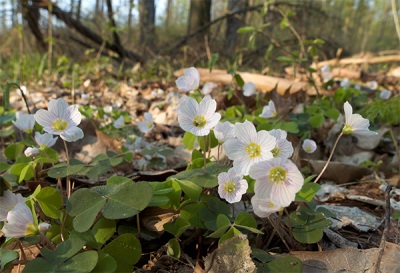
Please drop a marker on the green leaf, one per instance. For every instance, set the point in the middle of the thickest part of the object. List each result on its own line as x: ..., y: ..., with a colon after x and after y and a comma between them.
x: 179, y: 226
x: 191, y: 213
x: 213, y: 61
x: 261, y: 255
x: 4, y: 167
x: 14, y: 150
x: 291, y: 127
x: 47, y: 155
x: 188, y: 140
x: 63, y: 170
x: 230, y: 234
x: 332, y: 113
x: 27, y: 173
x: 82, y: 262
x: 84, y: 204
x: 248, y: 29
x: 223, y: 221
x: 105, y: 264
x: 7, y: 256
x: 239, y: 80
x: 284, y: 59
x: 127, y: 199
x: 174, y: 249
x: 245, y: 219
x: 50, y: 201
x: 115, y: 180
x: 307, y: 192
x: 103, y: 230
x: 308, y: 228
x: 126, y: 250
x: 317, y: 120
x: 190, y: 188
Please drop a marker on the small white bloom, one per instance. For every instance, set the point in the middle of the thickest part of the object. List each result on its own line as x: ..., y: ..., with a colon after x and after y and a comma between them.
x: 325, y: 68
x: 61, y: 119
x: 326, y: 76
x: 357, y: 87
x: 119, y: 122
x: 264, y: 207
x: 24, y: 122
x: 8, y: 202
x: 223, y: 131
x: 231, y: 186
x: 107, y: 109
x: 87, y: 83
x: 277, y: 180
x: 190, y: 81
x: 373, y: 85
x: 157, y: 93
x: 32, y: 152
x: 198, y: 118
x: 248, y: 146
x: 146, y: 125
x: 19, y: 222
x: 269, y: 111
x: 249, y: 89
x: 85, y: 98
x: 309, y: 146
x: 283, y: 147
x: 385, y: 94
x: 45, y: 140
x: 345, y: 83
x: 355, y: 123
x: 208, y: 88
x: 44, y: 227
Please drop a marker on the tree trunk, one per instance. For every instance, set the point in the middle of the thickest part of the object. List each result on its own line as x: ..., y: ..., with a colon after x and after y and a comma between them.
x: 131, y: 4
x: 233, y: 24
x: 168, y: 13
x: 78, y: 10
x: 115, y: 35
x: 31, y: 14
x: 147, y: 17
x: 199, y: 16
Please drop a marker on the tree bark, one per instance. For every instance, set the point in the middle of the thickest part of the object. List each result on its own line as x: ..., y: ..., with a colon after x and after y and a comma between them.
x: 168, y: 13
x: 31, y: 14
x: 147, y: 19
x: 199, y: 16
x: 117, y: 40
x: 233, y: 23
x: 78, y: 10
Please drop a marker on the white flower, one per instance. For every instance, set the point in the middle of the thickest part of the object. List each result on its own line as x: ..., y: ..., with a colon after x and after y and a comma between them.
x: 157, y: 93
x: 32, y: 152
x: 248, y: 146
x: 8, y: 202
x: 283, y: 147
x: 223, y: 131
x: 277, y: 180
x: 325, y: 68
x: 269, y: 110
x: 19, y: 222
x: 355, y: 123
x: 309, y: 146
x: 373, y: 85
x: 119, y: 122
x: 345, y: 83
x: 357, y: 87
x: 208, y: 87
x: 45, y: 140
x: 146, y: 125
x: 61, y: 119
x: 44, y: 227
x: 85, y: 98
x: 249, y: 89
x: 24, y: 122
x: 197, y: 118
x: 264, y: 207
x: 107, y: 109
x: 326, y: 73
x: 385, y: 94
x: 231, y: 186
x: 190, y: 81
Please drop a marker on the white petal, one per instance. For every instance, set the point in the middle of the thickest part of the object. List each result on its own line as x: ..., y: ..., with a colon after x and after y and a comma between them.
x: 72, y: 134
x: 348, y: 111
x: 245, y: 132
x: 44, y: 118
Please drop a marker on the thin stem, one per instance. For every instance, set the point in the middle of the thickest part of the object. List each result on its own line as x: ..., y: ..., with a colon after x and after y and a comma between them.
x: 329, y: 159
x: 205, y: 154
x: 138, y: 224
x: 68, y: 178
x: 396, y: 146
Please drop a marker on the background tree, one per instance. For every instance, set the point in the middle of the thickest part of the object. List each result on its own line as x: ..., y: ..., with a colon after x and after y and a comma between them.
x: 147, y: 19
x: 199, y: 16
x: 233, y: 23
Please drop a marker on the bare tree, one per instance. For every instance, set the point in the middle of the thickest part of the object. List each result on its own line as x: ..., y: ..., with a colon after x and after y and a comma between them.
x: 199, y: 15
x: 168, y: 13
x: 147, y: 17
x: 233, y: 23
x: 78, y: 10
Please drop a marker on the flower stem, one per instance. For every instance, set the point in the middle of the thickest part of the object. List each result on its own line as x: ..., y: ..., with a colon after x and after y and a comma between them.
x: 205, y: 154
x: 68, y: 178
x: 329, y: 159
x: 396, y: 146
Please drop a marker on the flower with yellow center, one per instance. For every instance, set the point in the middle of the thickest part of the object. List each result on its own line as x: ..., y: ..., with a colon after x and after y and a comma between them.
x: 283, y: 148
x: 146, y: 125
x: 8, y: 202
x: 277, y: 180
x: 223, y: 131
x: 231, y: 186
x: 355, y: 123
x: 61, y: 119
x: 248, y: 146
x: 24, y: 122
x: 198, y: 118
x: 264, y: 207
x: 45, y: 140
x: 189, y: 81
x: 309, y: 146
x: 19, y: 222
x: 269, y: 111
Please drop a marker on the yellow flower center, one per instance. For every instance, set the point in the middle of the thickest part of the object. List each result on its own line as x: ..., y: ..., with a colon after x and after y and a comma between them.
x: 149, y: 125
x: 347, y: 129
x: 253, y: 150
x: 274, y: 114
x: 31, y: 230
x: 230, y: 187
x: 275, y: 151
x: 60, y: 124
x: 271, y: 205
x: 277, y: 175
x: 308, y: 149
x: 199, y: 121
